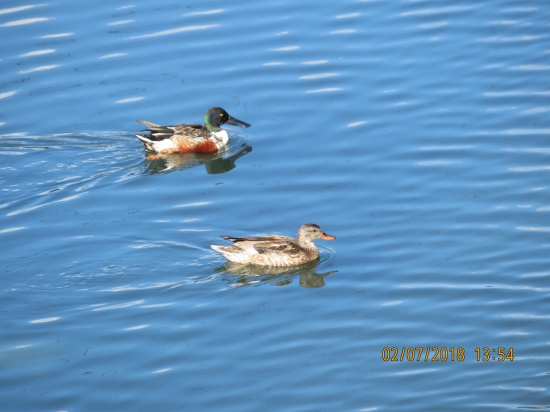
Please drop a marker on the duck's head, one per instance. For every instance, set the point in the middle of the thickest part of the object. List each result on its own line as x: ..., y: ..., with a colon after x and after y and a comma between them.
x: 310, y: 231
x: 216, y: 116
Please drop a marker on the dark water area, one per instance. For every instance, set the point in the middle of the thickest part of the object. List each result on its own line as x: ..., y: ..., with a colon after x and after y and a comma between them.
x: 416, y: 132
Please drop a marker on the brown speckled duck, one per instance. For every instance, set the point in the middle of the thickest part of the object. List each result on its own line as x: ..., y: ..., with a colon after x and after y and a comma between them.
x: 275, y: 250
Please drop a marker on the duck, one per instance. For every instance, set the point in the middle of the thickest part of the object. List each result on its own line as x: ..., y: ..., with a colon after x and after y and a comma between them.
x: 275, y: 250
x: 190, y: 138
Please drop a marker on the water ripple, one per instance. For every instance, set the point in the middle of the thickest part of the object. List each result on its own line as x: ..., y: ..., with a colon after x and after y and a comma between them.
x: 173, y: 31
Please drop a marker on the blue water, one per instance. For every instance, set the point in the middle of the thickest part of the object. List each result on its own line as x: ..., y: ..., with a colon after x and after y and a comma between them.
x: 416, y: 132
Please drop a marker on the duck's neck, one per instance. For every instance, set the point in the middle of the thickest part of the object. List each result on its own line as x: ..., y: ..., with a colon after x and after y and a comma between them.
x: 308, y: 247
x: 209, y: 126
x: 306, y: 243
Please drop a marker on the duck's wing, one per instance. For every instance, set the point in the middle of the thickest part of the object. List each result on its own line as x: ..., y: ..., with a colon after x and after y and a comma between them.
x: 158, y: 132
x: 275, y: 245
x: 190, y: 130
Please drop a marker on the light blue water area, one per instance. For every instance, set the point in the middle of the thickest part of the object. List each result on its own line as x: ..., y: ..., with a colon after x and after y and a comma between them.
x: 416, y: 132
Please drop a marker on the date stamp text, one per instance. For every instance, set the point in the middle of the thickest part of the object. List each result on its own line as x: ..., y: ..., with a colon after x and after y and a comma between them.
x: 444, y: 354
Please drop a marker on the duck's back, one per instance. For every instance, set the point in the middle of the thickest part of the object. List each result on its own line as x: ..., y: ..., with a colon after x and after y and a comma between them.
x: 158, y: 132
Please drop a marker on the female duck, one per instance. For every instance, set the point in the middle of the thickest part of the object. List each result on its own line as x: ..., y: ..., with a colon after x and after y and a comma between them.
x: 275, y: 250
x: 190, y: 138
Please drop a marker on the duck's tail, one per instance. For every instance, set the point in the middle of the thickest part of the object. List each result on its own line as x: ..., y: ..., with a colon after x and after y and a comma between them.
x: 146, y: 139
x: 218, y: 248
x: 148, y: 124
x: 149, y: 144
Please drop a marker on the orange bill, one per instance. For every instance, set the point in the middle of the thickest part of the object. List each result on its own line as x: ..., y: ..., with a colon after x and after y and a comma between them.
x: 327, y: 237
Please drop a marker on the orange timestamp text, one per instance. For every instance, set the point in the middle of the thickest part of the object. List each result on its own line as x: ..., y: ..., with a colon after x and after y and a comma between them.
x: 444, y: 354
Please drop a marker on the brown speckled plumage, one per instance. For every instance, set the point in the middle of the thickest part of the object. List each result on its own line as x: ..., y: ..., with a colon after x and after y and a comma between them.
x: 275, y: 250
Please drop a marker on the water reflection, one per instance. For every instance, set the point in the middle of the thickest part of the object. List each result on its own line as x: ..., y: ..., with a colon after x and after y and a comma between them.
x: 8, y: 94
x: 173, y: 31
x: 20, y: 8
x: 202, y: 13
x: 25, y: 21
x: 286, y: 48
x: 215, y: 163
x: 343, y: 31
x: 328, y: 89
x: 53, y: 36
x: 359, y: 123
x: 316, y: 62
x: 110, y: 56
x: 318, y: 76
x: 347, y: 16
x: 119, y: 22
x: 439, y: 10
x: 37, y: 53
x: 38, y: 69
x: 251, y: 274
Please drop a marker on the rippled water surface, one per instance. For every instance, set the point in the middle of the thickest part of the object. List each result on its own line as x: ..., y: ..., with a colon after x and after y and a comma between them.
x: 416, y: 132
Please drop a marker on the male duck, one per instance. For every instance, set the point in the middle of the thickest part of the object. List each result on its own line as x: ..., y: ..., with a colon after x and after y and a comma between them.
x: 275, y: 250
x: 190, y: 138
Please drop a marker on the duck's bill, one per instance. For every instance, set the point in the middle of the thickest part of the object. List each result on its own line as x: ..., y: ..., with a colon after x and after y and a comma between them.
x: 237, y: 122
x: 327, y: 237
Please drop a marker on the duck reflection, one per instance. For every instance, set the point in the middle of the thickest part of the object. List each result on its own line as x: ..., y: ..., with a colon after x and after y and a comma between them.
x: 278, y: 276
x: 215, y: 163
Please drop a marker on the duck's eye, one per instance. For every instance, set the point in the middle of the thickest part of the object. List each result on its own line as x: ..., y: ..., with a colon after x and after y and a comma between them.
x: 221, y: 114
